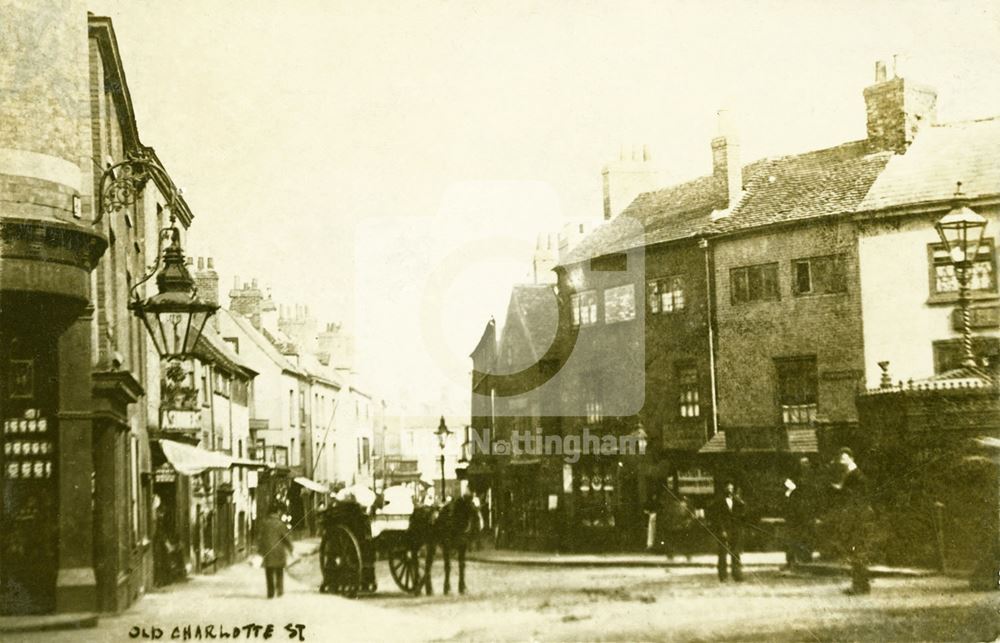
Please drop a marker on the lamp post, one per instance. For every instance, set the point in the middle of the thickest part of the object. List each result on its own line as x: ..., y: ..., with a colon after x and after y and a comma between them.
x: 175, y: 317
x: 961, y: 232
x: 442, y: 434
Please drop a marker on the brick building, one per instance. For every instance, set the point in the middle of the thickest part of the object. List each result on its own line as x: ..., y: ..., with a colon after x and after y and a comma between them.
x: 764, y: 293
x: 79, y: 380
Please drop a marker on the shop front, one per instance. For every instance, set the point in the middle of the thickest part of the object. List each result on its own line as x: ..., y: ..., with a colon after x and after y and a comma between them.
x: 46, y: 409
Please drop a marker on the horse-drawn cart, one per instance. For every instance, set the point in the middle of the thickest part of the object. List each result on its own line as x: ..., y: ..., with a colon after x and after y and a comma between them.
x: 352, y: 541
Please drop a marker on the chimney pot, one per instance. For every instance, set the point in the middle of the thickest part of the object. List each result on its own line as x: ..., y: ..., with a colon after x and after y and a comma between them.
x: 209, y: 263
x: 880, y: 71
x: 201, y: 263
x: 253, y: 282
x: 645, y: 153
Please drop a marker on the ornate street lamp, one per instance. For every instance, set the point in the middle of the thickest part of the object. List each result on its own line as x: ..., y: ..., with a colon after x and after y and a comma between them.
x: 961, y: 232
x: 442, y: 434
x: 175, y: 316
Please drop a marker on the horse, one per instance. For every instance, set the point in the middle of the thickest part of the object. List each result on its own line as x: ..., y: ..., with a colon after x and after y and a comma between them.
x: 453, y: 526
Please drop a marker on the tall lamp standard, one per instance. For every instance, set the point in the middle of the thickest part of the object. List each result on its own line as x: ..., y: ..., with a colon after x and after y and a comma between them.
x: 442, y: 434
x: 961, y: 232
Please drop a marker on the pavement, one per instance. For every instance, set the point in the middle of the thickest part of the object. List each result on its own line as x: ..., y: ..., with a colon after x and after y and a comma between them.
x: 751, y: 559
x: 234, y: 599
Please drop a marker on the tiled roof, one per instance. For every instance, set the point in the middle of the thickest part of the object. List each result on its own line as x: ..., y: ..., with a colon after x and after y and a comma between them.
x: 533, y: 308
x: 804, y: 186
x: 776, y: 190
x: 664, y: 215
x: 938, y: 157
x: 316, y: 369
x: 262, y: 342
x: 212, y: 347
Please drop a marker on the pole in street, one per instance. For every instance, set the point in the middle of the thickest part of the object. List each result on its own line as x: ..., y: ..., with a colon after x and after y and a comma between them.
x: 442, y: 434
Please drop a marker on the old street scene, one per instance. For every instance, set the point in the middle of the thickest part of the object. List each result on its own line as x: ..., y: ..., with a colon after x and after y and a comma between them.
x: 349, y: 321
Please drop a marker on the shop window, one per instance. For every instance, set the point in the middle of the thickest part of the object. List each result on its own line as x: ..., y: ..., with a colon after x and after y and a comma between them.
x: 754, y: 283
x: 592, y: 402
x: 583, y: 306
x: 688, y: 403
x: 982, y: 276
x: 798, y: 389
x: 949, y: 353
x: 666, y: 295
x: 596, y: 486
x: 619, y: 304
x: 819, y: 275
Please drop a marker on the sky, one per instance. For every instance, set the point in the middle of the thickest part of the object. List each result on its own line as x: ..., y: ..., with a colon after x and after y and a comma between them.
x: 389, y: 164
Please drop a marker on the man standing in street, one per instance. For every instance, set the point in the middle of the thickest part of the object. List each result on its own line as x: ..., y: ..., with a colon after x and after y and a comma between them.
x: 799, y: 518
x: 727, y: 515
x: 274, y: 545
x: 858, y: 520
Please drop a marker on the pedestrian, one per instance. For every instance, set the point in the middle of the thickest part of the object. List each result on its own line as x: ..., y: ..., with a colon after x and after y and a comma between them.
x: 799, y: 518
x: 727, y: 516
x: 651, y: 517
x: 857, y: 519
x: 274, y: 544
x: 678, y: 519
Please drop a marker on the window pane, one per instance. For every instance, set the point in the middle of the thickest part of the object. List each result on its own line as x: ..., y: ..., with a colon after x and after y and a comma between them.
x: 678, y: 293
x: 803, y: 277
x: 944, y: 279
x: 769, y: 275
x: 981, y: 276
x: 755, y: 283
x: 738, y: 283
x: 654, y: 296
x: 619, y: 303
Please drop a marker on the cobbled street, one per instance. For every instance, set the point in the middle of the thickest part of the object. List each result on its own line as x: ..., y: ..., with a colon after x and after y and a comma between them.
x: 507, y: 602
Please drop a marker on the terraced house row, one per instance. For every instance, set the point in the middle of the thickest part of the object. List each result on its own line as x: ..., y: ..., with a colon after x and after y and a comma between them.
x: 732, y: 321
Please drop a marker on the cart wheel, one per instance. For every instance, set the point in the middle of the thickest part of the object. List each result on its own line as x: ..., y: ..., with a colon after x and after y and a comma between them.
x: 406, y: 564
x: 340, y: 560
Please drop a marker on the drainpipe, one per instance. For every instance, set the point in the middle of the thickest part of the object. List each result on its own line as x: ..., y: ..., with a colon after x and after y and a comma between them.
x: 703, y: 244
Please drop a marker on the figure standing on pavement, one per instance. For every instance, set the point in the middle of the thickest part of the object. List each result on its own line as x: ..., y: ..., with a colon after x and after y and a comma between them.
x: 799, y: 515
x: 678, y: 520
x: 651, y: 518
x: 857, y: 521
x: 727, y: 517
x: 274, y: 544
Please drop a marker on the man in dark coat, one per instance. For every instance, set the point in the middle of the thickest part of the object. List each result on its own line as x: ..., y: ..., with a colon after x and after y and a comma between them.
x: 727, y: 515
x: 799, y: 515
x: 274, y: 544
x: 858, y: 520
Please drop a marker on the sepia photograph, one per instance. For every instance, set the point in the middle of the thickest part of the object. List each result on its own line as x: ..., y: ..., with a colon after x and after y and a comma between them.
x: 539, y: 320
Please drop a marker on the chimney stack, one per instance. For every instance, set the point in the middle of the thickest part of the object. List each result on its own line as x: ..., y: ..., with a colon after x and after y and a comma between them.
x: 726, y: 166
x: 246, y: 300
x: 897, y: 108
x: 628, y: 177
x: 207, y: 281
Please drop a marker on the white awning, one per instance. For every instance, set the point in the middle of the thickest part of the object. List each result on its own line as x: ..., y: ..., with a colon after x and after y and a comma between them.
x: 312, y: 485
x: 191, y: 460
